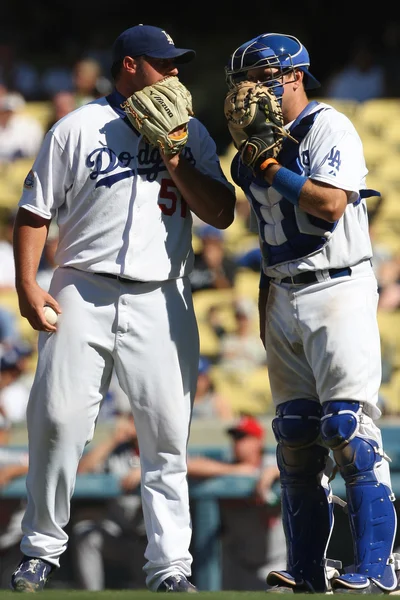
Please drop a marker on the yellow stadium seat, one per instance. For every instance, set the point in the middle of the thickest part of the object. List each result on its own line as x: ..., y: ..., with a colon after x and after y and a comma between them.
x: 246, y: 284
x: 209, y: 341
x: 41, y: 111
x: 378, y: 113
x: 8, y: 195
x: 347, y: 107
x: 375, y: 153
x: 17, y: 172
x: 203, y: 300
x: 392, y: 135
x: 12, y: 176
x: 250, y: 394
x: 388, y: 170
x: 391, y: 393
x: 389, y: 327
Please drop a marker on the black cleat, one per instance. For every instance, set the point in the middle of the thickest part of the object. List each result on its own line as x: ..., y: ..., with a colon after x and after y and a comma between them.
x: 31, y: 575
x: 176, y: 583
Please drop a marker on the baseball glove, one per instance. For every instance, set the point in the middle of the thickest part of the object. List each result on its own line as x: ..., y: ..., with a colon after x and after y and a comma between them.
x: 255, y: 122
x: 160, y: 113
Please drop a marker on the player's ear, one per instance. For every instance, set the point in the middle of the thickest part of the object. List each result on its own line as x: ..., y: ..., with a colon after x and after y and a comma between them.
x: 129, y: 64
x: 299, y: 78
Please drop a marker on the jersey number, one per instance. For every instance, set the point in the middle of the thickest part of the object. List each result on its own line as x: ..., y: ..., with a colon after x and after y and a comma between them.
x: 169, y: 197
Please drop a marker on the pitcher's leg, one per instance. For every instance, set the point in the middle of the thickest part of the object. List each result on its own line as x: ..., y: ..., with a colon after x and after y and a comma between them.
x: 157, y: 366
x: 72, y: 376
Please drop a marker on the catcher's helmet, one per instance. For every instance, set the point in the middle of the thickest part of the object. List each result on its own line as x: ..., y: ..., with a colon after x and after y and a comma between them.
x: 275, y: 50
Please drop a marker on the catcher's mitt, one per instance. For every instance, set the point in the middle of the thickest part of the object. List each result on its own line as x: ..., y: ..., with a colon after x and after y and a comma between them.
x: 160, y: 112
x: 255, y: 122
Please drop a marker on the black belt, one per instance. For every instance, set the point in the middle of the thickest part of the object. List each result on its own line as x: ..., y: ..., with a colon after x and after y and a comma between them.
x: 311, y: 276
x: 119, y: 278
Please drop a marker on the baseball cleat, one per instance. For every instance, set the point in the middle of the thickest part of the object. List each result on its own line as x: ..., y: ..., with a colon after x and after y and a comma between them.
x: 354, y: 583
x: 282, y: 582
x: 31, y: 575
x: 176, y: 583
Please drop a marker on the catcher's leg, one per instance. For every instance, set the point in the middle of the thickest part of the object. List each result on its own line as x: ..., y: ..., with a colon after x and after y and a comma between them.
x: 307, y: 508
x: 357, y: 448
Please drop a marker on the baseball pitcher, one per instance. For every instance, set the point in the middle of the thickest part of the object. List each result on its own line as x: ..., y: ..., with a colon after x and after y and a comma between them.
x: 122, y: 176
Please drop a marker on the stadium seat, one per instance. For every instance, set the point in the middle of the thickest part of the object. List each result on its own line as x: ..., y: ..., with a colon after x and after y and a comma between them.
x: 247, y: 284
x: 250, y: 394
x: 209, y: 341
x: 378, y: 113
x: 347, y: 107
x: 203, y: 300
x: 390, y: 393
x: 392, y: 135
x: 8, y: 195
x: 375, y: 153
x: 41, y: 111
x: 17, y: 172
x: 388, y: 170
x: 12, y: 176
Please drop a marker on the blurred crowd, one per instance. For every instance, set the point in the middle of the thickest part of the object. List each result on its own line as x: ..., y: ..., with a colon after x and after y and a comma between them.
x: 233, y: 388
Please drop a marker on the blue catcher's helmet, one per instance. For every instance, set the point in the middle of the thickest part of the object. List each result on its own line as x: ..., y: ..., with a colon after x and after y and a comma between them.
x: 276, y: 50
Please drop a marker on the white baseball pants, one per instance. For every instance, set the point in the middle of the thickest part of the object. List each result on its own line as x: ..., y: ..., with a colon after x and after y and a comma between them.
x: 148, y: 331
x: 323, y: 340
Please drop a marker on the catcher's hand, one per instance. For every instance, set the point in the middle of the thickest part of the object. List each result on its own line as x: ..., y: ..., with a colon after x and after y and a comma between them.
x: 160, y: 112
x: 255, y: 122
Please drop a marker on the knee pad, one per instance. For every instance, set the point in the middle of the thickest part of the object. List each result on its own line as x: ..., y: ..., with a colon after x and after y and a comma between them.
x: 359, y: 455
x: 297, y: 430
x: 307, y: 509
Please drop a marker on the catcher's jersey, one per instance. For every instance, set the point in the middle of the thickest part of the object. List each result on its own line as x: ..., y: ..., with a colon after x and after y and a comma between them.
x: 116, y: 206
x: 330, y: 151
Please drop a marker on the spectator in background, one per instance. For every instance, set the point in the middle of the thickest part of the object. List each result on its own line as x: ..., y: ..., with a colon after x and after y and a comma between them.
x: 111, y: 536
x: 389, y: 58
x: 362, y: 78
x: 13, y: 464
x: 14, y: 388
x: 89, y: 82
x: 62, y: 103
x: 242, y: 350
x: 252, y: 534
x: 8, y: 329
x: 251, y: 259
x: 20, y: 135
x: 389, y: 280
x: 7, y: 268
x: 57, y: 74
x: 214, y: 268
x: 208, y: 403
x: 215, y: 321
x: 17, y: 71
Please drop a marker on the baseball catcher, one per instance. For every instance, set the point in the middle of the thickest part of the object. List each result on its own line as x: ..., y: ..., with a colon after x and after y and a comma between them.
x: 160, y: 113
x: 255, y: 123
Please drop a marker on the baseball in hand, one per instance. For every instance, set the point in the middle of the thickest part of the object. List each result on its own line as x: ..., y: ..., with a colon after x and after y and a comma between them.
x: 50, y: 314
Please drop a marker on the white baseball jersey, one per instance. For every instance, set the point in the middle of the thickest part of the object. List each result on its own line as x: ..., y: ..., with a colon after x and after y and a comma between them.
x: 98, y: 180
x: 119, y: 212
x: 330, y: 151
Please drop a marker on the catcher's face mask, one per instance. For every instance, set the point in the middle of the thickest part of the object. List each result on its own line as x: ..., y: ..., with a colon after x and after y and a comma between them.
x: 283, y: 53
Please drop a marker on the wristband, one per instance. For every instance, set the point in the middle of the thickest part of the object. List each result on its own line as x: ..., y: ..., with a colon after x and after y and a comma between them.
x: 288, y: 184
x: 264, y: 281
x: 267, y: 162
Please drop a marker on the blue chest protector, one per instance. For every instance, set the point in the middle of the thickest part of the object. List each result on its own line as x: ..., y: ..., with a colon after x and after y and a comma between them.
x: 298, y: 244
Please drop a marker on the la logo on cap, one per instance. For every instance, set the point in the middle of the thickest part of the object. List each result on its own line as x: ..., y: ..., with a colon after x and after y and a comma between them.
x: 169, y: 38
